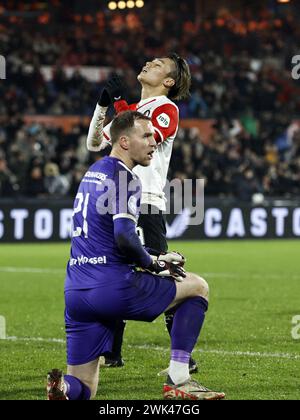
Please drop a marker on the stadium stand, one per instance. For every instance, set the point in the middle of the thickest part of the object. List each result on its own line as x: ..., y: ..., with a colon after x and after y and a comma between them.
x: 241, y: 80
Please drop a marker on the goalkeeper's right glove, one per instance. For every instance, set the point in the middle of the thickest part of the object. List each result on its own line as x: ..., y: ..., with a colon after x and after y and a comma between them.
x: 171, y: 268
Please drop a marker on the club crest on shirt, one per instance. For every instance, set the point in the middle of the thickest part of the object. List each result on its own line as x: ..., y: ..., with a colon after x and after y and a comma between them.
x: 163, y: 120
x: 132, y: 205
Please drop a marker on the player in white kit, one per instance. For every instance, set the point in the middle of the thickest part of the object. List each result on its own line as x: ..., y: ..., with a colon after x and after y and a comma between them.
x: 163, y: 80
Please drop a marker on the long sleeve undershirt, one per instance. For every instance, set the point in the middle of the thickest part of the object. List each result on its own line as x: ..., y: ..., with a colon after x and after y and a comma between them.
x: 129, y: 243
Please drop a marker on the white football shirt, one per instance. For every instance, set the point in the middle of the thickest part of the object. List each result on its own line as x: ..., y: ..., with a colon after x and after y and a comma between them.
x: 164, y: 115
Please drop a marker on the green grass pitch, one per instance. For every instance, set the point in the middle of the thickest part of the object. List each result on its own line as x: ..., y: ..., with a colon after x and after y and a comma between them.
x: 246, y: 348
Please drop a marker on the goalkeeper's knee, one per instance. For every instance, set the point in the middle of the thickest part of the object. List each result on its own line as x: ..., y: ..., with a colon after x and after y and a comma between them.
x: 202, y: 288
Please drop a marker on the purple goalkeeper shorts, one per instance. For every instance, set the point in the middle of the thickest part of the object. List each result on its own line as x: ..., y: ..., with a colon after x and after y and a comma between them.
x: 91, y: 314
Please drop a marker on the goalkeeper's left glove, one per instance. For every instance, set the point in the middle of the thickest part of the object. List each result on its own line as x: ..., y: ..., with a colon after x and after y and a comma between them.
x: 172, y: 257
x: 169, y: 256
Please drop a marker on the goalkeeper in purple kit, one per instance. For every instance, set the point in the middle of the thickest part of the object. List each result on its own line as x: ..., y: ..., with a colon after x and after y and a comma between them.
x: 105, y: 283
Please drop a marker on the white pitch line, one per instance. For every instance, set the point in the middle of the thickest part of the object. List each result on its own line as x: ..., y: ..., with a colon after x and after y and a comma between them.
x: 227, y: 353
x: 31, y: 270
x: 37, y: 339
x: 238, y: 276
x: 166, y: 349
x: 34, y: 270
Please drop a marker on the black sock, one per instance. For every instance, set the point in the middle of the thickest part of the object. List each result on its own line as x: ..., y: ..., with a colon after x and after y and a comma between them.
x: 116, y: 352
x: 169, y: 317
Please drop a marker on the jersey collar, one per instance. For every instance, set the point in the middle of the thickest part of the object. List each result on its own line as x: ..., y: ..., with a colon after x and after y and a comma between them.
x: 154, y: 98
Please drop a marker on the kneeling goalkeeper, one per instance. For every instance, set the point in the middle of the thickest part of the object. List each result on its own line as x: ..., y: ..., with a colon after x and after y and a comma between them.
x: 102, y: 283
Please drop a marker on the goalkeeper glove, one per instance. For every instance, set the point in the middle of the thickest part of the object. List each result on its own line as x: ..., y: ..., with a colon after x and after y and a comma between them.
x: 169, y: 264
x: 172, y: 257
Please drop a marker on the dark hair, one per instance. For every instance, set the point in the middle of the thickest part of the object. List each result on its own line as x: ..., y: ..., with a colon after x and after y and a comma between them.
x: 182, y: 77
x: 123, y: 123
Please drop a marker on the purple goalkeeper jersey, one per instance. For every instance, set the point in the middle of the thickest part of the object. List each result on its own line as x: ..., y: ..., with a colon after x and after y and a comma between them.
x: 108, y: 191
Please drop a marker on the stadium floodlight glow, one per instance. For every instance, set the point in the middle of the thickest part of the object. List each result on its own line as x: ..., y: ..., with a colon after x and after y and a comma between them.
x: 283, y: 1
x: 112, y: 5
x: 121, y: 5
x: 130, y: 4
x: 139, y: 3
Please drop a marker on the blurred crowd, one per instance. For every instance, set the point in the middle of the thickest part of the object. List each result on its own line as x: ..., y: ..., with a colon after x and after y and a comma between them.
x: 241, y: 69
x: 45, y: 162
x: 239, y: 163
x: 236, y: 63
x: 38, y: 161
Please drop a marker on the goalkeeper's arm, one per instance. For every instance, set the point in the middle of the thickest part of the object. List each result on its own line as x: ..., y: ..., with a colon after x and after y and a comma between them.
x: 129, y: 243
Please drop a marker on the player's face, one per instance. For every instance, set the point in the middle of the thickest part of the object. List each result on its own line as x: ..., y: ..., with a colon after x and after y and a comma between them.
x: 155, y: 73
x: 142, y: 144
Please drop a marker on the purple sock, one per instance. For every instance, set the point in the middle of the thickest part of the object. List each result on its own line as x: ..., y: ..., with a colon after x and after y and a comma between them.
x: 180, y: 356
x: 76, y: 390
x: 188, y: 321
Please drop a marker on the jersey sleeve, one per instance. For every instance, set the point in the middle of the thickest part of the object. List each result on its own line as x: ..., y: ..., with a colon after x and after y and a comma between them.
x: 95, y: 138
x: 128, y: 196
x: 165, y: 120
x: 106, y: 133
x: 129, y: 243
x: 125, y: 217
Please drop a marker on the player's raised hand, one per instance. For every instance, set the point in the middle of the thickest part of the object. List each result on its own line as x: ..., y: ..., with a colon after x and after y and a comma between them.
x: 113, y: 91
x: 104, y: 99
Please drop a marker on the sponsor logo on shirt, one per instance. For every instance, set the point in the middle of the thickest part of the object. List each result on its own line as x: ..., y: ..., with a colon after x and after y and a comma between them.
x: 97, y: 175
x: 163, y: 120
x: 82, y: 260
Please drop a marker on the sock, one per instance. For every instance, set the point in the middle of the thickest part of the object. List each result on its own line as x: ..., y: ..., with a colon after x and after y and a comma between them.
x: 187, y: 325
x: 116, y: 352
x: 179, y: 366
x: 75, y: 389
x: 169, y: 318
x: 188, y: 321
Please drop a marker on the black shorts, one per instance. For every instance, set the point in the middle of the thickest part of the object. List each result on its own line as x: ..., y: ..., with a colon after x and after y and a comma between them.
x: 153, y: 228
